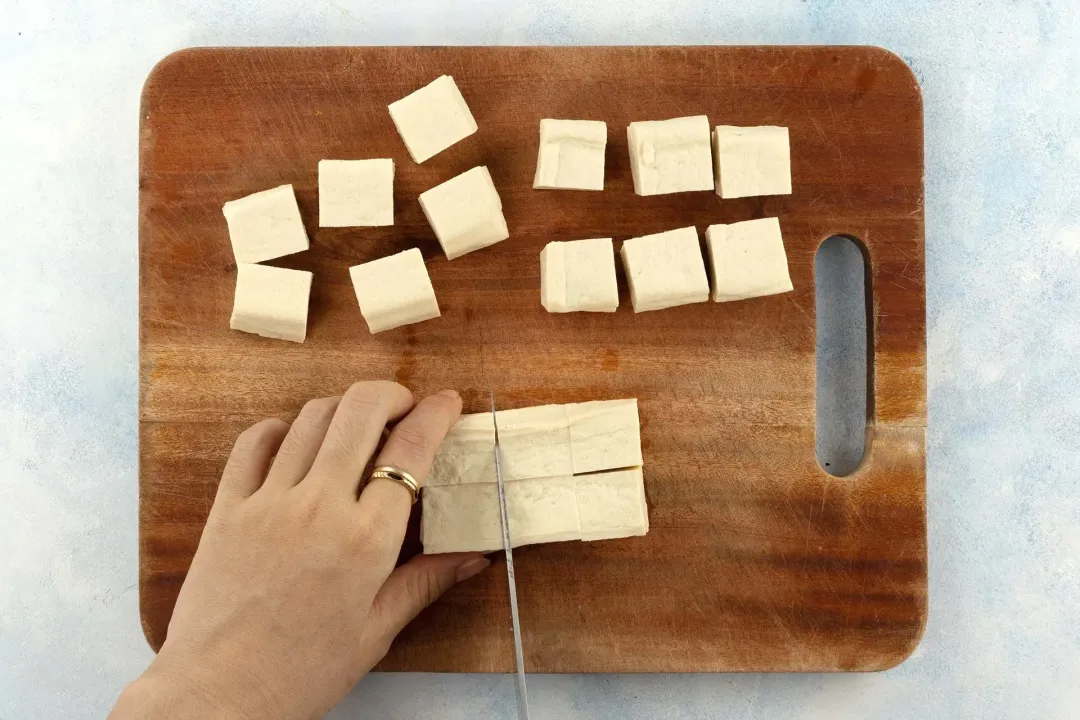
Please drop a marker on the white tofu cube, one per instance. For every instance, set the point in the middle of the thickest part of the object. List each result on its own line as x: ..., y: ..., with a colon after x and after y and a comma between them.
x: 433, y: 118
x: 465, y: 212
x: 571, y: 155
x: 461, y: 518
x: 752, y: 161
x: 356, y: 193
x: 265, y: 225
x: 748, y: 260
x: 394, y: 291
x: 542, y: 510
x: 467, y: 453
x: 579, y: 276
x: 604, y: 435
x: 665, y: 270
x: 612, y: 505
x: 272, y: 302
x: 534, y: 442
x: 670, y: 156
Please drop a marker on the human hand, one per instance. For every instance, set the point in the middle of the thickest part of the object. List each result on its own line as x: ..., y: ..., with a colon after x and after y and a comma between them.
x: 293, y: 595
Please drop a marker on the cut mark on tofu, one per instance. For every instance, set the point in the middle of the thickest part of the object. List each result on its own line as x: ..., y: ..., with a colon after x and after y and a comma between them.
x: 844, y: 335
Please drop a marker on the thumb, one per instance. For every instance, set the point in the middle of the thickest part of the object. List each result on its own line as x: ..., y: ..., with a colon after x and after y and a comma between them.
x: 418, y: 583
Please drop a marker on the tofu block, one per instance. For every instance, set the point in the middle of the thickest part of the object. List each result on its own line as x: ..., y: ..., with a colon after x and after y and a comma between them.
x: 534, y: 442
x: 356, y: 193
x: 465, y: 212
x: 433, y: 118
x: 752, y: 161
x: 579, y: 276
x: 571, y: 155
x: 467, y: 454
x: 265, y: 225
x: 665, y: 270
x: 612, y: 505
x: 461, y: 518
x: 604, y: 435
x: 542, y: 510
x: 394, y: 291
x: 272, y: 302
x: 670, y: 156
x: 748, y: 260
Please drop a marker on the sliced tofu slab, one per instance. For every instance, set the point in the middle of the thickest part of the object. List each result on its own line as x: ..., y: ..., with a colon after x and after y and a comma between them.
x: 433, y: 118
x: 271, y: 301
x: 579, y: 275
x: 465, y: 212
x: 461, y: 518
x: 467, y: 455
x: 748, y: 260
x: 265, y: 225
x: 612, y: 504
x: 604, y: 435
x: 542, y: 510
x: 665, y: 269
x: 670, y: 156
x: 571, y: 155
x: 752, y: 161
x: 356, y: 193
x: 535, y: 442
x: 394, y: 291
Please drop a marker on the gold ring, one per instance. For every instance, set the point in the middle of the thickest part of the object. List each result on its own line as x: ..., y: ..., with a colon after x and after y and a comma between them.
x: 401, y: 477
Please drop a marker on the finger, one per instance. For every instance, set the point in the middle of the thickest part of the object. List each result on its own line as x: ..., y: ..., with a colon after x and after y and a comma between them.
x: 415, y: 585
x: 302, y: 444
x: 250, y: 459
x: 355, y: 431
x: 410, y: 447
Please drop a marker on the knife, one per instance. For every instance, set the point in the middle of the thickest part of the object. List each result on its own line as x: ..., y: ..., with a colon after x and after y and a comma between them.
x: 519, y: 658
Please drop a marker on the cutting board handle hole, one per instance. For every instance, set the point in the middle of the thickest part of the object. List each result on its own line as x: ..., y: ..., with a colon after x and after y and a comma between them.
x: 843, y: 302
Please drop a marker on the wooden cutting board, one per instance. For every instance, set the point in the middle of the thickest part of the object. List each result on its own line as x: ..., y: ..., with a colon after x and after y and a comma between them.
x: 757, y: 559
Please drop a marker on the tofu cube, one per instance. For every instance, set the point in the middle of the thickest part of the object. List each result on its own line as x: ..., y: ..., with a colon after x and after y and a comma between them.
x: 612, y: 505
x: 571, y: 155
x: 272, y: 302
x: 670, y: 156
x: 356, y: 193
x: 604, y: 435
x: 752, y: 161
x: 265, y: 225
x: 465, y: 212
x: 467, y: 453
x: 665, y: 270
x: 461, y: 518
x: 534, y: 442
x: 433, y: 118
x: 579, y: 276
x: 748, y: 260
x: 394, y: 291
x: 542, y: 510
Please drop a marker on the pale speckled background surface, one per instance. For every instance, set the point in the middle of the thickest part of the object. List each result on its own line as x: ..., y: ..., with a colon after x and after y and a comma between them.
x: 1003, y: 272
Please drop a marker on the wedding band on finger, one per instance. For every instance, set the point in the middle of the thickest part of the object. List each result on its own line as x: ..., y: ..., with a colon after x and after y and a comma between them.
x: 401, y: 477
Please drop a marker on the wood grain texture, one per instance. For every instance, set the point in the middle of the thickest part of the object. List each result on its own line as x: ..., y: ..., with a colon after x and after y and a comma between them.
x: 757, y: 559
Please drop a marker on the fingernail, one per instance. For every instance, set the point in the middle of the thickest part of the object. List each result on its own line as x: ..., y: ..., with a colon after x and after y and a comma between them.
x: 452, y: 394
x: 470, y: 568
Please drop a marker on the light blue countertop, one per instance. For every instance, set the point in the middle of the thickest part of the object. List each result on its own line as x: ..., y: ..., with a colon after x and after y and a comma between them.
x: 1003, y: 276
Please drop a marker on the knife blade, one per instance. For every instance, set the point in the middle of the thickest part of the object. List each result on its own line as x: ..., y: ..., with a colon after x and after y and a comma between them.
x: 519, y: 658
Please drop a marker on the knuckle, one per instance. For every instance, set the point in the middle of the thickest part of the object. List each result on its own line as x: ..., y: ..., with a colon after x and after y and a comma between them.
x: 410, y: 441
x: 259, y: 433
x: 441, y: 404
x: 318, y: 410
x: 424, y: 588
